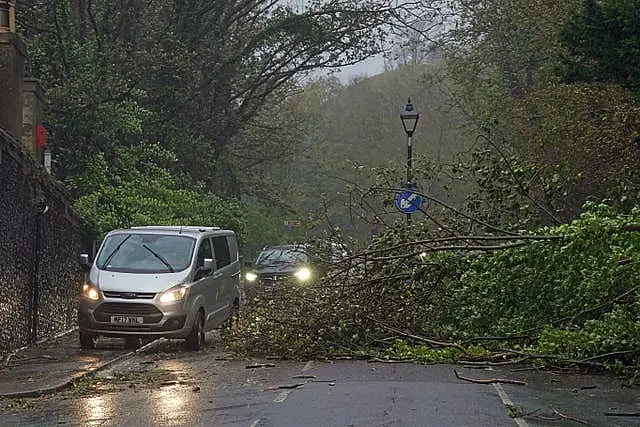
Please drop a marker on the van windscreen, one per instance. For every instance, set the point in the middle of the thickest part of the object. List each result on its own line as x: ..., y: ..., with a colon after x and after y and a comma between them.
x: 282, y: 255
x: 145, y: 253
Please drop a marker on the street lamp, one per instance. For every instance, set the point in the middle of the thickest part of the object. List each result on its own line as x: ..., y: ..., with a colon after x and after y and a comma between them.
x: 409, y: 119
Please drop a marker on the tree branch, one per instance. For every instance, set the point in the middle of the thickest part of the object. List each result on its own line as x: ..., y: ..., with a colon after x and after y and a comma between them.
x: 489, y: 381
x: 419, y: 338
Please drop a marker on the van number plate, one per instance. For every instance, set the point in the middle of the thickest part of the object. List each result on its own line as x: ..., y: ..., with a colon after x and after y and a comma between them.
x: 127, y: 319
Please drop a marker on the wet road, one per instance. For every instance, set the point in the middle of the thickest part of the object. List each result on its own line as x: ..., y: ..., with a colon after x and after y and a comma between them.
x: 167, y: 386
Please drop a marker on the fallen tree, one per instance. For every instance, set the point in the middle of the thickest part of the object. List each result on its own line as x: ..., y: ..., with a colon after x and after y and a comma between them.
x: 563, y: 301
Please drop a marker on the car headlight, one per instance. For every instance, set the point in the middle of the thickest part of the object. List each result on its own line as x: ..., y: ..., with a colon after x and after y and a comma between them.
x: 303, y: 274
x: 89, y: 291
x: 251, y: 277
x: 173, y: 295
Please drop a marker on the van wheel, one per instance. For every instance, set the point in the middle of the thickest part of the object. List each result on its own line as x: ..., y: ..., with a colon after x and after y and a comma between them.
x: 87, y: 341
x: 195, y: 339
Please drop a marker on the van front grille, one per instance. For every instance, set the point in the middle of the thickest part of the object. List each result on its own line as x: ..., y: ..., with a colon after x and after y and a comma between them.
x: 129, y: 295
x: 150, y: 313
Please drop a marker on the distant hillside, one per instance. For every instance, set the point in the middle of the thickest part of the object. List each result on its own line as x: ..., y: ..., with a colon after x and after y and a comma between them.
x: 359, y: 125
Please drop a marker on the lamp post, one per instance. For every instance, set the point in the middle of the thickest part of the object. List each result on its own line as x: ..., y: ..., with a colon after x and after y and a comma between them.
x: 409, y: 119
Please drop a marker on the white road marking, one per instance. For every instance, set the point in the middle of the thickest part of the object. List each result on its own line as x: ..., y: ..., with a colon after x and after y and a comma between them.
x: 255, y: 423
x: 282, y: 396
x: 506, y: 400
x: 285, y: 393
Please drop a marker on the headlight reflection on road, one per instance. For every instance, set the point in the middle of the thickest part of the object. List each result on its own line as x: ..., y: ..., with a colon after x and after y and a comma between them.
x: 173, y: 404
x: 97, y: 410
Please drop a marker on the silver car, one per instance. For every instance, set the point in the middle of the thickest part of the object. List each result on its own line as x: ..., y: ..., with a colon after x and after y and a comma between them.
x: 160, y: 281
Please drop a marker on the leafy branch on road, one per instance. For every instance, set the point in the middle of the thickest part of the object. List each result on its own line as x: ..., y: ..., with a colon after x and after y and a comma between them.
x: 148, y: 379
x: 557, y: 302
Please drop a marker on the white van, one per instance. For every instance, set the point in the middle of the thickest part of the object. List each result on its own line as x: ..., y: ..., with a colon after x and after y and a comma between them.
x: 160, y: 281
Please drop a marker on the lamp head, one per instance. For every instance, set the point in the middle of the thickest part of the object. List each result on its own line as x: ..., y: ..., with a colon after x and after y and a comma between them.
x: 409, y: 118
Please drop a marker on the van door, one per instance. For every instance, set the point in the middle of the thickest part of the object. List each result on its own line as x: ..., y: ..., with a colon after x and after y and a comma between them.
x: 206, y: 282
x: 226, y: 267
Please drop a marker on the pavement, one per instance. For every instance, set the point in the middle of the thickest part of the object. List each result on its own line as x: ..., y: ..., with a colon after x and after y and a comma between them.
x: 54, y: 364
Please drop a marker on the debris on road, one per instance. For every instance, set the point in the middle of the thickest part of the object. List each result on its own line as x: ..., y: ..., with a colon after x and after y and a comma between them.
x: 286, y: 386
x: 490, y: 380
x: 260, y: 365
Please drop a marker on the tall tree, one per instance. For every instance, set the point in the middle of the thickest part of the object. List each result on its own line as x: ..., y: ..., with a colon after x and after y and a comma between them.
x: 204, y: 68
x: 603, y: 43
x: 506, y: 56
x: 241, y: 52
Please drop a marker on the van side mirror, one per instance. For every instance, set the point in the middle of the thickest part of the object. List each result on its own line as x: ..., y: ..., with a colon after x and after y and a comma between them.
x: 205, y: 269
x: 208, y: 264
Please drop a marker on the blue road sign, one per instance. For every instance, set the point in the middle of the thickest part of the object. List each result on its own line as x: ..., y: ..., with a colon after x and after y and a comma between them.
x: 408, y: 201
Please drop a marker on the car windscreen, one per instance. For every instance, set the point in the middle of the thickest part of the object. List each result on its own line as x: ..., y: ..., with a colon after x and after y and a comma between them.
x: 281, y: 256
x: 145, y: 253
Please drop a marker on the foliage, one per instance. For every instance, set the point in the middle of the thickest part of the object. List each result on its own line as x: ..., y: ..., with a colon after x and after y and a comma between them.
x: 133, y: 189
x: 352, y: 311
x: 504, y: 48
x: 574, y: 142
x: 561, y: 280
x: 585, y: 137
x: 150, y: 379
x: 292, y: 321
x: 193, y: 78
x: 571, y: 292
x: 603, y: 41
x: 263, y: 228
x: 508, y: 192
x: 616, y: 332
x: 421, y: 353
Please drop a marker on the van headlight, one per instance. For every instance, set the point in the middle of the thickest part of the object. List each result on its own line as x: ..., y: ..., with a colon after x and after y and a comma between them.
x: 251, y: 277
x: 174, y: 294
x: 303, y: 274
x: 89, y: 291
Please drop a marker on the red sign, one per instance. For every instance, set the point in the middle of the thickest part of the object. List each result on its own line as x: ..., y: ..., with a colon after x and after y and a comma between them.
x: 41, y: 136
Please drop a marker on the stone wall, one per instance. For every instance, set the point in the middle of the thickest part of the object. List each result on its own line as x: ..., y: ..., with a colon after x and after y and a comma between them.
x: 40, y: 242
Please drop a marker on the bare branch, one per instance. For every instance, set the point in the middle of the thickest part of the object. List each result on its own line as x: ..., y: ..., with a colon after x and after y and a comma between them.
x: 419, y: 338
x: 489, y: 381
